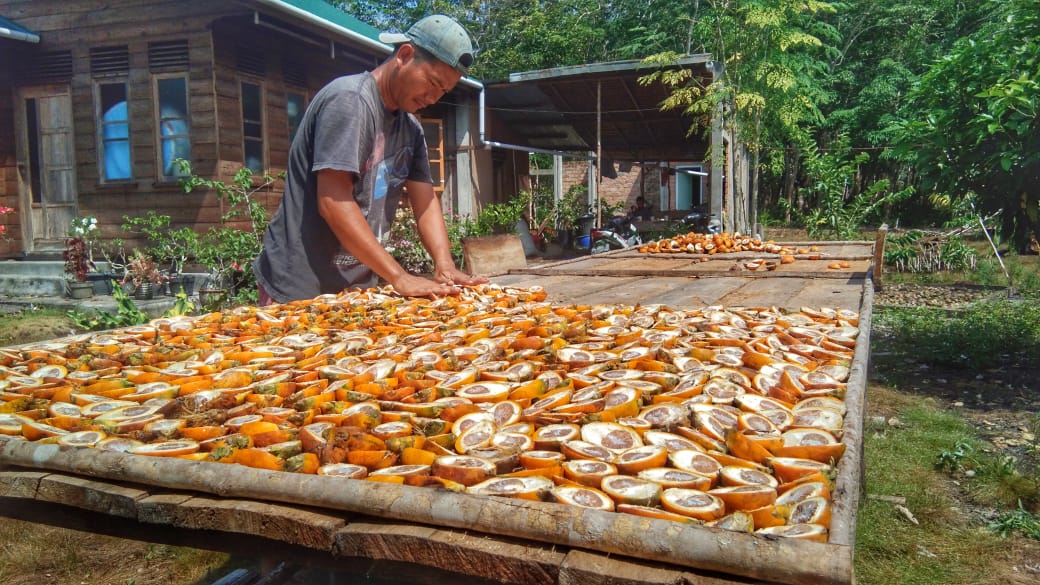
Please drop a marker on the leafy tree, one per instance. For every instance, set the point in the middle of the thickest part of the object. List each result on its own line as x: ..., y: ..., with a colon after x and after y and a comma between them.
x: 971, y: 125
x: 774, y: 79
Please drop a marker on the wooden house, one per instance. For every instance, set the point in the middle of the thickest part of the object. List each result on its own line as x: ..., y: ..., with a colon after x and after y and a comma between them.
x: 98, y: 99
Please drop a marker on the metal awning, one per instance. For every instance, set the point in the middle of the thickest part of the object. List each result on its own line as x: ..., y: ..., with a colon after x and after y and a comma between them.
x: 556, y: 109
x: 12, y: 30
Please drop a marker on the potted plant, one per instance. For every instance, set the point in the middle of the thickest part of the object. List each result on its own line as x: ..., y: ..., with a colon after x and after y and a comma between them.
x: 145, y: 275
x: 77, y: 264
x: 572, y: 212
x: 170, y: 248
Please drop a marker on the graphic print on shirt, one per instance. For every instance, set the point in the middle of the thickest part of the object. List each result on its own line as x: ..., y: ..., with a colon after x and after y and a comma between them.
x: 389, y: 176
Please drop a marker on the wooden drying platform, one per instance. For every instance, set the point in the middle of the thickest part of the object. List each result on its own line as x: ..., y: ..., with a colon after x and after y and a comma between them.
x: 457, y: 538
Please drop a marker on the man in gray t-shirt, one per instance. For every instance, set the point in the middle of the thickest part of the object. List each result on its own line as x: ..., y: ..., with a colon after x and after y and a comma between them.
x: 358, y: 147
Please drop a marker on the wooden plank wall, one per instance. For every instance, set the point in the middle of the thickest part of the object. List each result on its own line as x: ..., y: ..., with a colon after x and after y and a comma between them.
x: 214, y: 31
x: 10, y: 242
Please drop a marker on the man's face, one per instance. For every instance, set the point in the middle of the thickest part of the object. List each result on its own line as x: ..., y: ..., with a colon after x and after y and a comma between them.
x: 422, y: 83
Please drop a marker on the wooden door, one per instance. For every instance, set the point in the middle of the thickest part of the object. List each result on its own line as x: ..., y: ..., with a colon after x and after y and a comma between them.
x: 46, y: 166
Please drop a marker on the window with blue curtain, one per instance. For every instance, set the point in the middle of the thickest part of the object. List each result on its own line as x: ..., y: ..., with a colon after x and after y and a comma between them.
x: 115, y: 132
x: 174, y: 127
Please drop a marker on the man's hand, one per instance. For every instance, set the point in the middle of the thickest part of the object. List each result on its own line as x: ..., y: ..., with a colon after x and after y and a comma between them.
x: 410, y: 285
x: 453, y: 275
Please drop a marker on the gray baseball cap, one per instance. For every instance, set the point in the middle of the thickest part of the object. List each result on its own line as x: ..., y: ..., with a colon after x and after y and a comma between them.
x: 442, y: 36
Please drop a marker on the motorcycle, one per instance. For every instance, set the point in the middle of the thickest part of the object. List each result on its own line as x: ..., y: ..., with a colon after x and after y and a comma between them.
x: 702, y: 222
x: 618, y: 234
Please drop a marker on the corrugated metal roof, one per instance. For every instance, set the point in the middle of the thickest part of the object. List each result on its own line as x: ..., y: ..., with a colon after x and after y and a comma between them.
x: 555, y: 109
x: 12, y: 30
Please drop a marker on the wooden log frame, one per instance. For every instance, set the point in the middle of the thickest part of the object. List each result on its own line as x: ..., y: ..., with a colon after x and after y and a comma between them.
x: 402, y: 523
x: 778, y: 560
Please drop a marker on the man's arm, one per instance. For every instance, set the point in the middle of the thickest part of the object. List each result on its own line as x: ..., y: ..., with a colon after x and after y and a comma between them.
x: 340, y: 210
x: 434, y: 235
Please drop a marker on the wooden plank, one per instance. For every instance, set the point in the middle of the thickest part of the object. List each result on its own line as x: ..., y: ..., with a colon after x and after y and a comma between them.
x: 584, y: 568
x: 458, y: 552
x: 852, y: 468
x: 288, y: 524
x: 107, y: 498
x: 20, y: 484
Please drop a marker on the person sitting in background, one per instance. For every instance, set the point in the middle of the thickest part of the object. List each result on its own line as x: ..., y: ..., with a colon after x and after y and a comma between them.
x: 642, y: 210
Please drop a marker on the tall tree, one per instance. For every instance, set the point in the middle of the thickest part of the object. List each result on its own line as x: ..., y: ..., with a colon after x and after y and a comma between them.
x: 972, y: 125
x: 775, y: 77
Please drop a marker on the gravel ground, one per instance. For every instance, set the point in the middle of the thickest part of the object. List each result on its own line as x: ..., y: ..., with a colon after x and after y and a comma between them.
x: 950, y: 296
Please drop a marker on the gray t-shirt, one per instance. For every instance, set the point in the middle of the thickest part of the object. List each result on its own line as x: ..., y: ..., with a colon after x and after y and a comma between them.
x: 345, y: 128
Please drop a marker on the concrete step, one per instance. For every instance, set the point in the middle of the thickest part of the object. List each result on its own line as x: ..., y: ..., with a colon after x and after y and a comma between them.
x: 40, y: 268
x: 18, y: 285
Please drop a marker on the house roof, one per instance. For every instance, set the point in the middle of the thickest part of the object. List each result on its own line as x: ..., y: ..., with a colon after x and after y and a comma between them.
x: 326, y: 11
x: 555, y: 109
x: 12, y: 30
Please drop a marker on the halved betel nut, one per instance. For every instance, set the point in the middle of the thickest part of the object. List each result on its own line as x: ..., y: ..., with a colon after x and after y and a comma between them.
x: 166, y: 448
x: 347, y: 470
x: 625, y: 489
x: 588, y: 472
x: 539, y: 459
x: 636, y: 459
x: 693, y: 503
x: 463, y: 469
x: 585, y: 497
x: 814, y: 532
x: 617, y: 438
x: 668, y: 477
x: 551, y: 437
x: 533, y: 487
x: 82, y: 438
x: 745, y: 497
x: 414, y: 475
x: 732, y: 475
x: 484, y: 391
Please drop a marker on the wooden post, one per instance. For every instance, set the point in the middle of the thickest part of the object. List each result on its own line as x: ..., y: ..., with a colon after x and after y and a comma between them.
x: 879, y: 256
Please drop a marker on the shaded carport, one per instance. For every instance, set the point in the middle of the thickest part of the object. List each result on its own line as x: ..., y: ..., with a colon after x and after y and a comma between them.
x: 601, y: 111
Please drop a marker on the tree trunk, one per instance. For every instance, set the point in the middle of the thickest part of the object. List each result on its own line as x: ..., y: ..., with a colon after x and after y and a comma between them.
x: 753, y: 211
x: 791, y: 168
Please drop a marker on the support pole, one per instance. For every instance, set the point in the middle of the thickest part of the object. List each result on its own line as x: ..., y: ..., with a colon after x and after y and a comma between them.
x: 599, y: 152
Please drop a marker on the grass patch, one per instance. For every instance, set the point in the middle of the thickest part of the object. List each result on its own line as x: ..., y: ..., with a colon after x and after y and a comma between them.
x: 914, y: 458
x: 980, y: 336
x: 36, y: 324
x: 34, y: 553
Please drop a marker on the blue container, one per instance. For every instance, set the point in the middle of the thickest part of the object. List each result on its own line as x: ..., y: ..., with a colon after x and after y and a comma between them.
x: 584, y: 241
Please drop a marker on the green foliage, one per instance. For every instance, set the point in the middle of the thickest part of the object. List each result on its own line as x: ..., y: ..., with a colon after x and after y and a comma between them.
x: 501, y: 218
x: 228, y: 250
x: 977, y: 337
x: 953, y: 459
x: 1019, y: 521
x: 126, y: 315
x: 914, y: 252
x: 971, y: 125
x: 406, y: 247
x: 169, y: 247
x: 572, y: 206
x: 837, y: 213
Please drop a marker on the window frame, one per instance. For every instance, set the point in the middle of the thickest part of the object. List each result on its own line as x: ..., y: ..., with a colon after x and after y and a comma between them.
x: 160, y: 175
x: 288, y: 119
x: 438, y: 162
x: 242, y: 81
x: 100, y: 123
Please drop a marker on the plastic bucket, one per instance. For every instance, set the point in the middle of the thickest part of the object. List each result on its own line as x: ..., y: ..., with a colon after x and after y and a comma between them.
x: 584, y: 241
